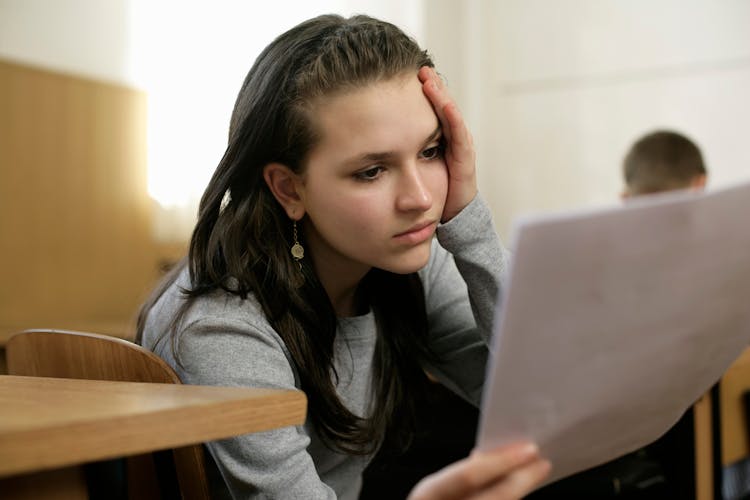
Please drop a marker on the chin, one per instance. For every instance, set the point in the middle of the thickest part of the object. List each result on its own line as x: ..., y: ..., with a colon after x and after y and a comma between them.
x: 410, y: 263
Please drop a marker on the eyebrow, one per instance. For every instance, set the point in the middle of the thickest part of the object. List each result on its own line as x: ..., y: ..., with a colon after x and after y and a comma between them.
x: 384, y: 155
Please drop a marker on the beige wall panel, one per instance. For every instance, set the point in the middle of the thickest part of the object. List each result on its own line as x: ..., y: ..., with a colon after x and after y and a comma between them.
x: 75, y: 217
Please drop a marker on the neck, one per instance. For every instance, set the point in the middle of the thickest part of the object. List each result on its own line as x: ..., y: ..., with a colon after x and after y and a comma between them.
x: 341, y: 280
x: 344, y: 304
x: 342, y: 292
x: 340, y: 276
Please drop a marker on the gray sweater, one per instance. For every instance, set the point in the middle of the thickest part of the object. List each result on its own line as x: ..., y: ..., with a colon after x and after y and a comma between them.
x: 225, y: 340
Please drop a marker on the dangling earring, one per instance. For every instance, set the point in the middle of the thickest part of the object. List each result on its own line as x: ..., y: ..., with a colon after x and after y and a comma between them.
x: 297, y: 250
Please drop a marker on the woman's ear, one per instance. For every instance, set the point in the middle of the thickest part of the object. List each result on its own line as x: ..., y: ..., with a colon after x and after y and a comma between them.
x: 285, y: 184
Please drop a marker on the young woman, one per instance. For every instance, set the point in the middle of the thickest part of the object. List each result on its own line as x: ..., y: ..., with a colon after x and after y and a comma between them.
x: 313, y: 265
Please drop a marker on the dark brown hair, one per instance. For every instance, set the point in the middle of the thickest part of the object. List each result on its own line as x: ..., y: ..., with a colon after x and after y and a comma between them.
x: 661, y: 161
x: 242, y: 237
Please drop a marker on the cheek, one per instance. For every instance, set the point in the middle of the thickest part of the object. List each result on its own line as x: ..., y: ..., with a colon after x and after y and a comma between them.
x: 438, y: 179
x: 346, y: 213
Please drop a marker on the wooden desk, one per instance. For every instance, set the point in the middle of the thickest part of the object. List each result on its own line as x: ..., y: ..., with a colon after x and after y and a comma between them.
x: 49, y: 423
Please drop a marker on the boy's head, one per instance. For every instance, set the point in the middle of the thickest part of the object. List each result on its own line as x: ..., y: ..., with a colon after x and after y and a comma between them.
x: 661, y: 161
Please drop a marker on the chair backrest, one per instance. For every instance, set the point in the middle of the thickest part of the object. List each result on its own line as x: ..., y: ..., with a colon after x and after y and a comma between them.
x: 733, y: 454
x: 722, y: 430
x: 67, y: 354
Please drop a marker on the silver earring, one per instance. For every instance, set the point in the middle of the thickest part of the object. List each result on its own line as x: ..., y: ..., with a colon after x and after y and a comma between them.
x: 297, y: 250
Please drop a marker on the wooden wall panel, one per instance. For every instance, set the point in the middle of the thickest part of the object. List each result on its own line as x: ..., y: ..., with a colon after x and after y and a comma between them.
x: 76, y: 248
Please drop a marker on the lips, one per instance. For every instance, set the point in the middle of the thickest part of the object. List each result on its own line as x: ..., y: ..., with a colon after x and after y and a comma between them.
x: 417, y: 233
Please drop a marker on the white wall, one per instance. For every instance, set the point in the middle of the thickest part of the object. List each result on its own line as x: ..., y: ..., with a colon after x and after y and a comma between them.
x: 115, y: 40
x: 84, y: 37
x: 555, y: 91
x: 566, y: 87
x: 190, y: 56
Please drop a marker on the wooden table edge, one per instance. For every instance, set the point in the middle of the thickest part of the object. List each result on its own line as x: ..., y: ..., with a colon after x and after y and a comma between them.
x: 175, y: 427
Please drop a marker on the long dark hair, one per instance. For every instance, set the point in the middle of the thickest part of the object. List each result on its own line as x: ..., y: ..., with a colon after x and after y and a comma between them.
x: 242, y: 238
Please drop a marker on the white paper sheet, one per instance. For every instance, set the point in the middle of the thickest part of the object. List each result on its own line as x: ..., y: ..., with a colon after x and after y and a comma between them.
x: 615, y: 321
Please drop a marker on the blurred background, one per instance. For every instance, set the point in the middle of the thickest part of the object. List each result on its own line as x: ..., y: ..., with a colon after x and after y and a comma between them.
x: 113, y: 115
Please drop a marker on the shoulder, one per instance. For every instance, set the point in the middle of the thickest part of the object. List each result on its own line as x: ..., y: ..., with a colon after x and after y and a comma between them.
x: 219, y: 321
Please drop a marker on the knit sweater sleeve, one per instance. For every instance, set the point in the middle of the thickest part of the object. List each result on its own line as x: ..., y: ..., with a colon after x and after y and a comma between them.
x: 462, y: 283
x: 221, y: 347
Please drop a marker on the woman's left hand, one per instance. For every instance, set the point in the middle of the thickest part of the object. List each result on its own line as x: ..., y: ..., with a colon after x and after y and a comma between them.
x: 459, y: 146
x: 507, y: 473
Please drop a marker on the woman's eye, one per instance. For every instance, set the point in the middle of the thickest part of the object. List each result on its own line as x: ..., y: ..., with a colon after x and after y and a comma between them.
x: 369, y: 174
x: 433, y: 152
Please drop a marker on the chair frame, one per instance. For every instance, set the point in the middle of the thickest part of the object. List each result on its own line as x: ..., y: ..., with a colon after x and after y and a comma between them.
x: 82, y: 355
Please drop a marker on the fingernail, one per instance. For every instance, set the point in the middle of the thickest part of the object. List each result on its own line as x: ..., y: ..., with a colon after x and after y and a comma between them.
x: 546, y: 467
x: 530, y: 450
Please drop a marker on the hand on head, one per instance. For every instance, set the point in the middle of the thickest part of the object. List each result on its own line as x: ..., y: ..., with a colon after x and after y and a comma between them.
x: 507, y: 473
x: 460, y: 156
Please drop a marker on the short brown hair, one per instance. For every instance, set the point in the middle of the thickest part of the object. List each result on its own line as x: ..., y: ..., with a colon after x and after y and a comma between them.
x: 661, y: 161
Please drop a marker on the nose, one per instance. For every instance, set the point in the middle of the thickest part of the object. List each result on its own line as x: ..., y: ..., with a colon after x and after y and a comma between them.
x: 413, y: 193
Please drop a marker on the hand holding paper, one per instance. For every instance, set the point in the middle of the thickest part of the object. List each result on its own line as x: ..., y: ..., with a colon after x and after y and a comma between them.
x: 615, y: 322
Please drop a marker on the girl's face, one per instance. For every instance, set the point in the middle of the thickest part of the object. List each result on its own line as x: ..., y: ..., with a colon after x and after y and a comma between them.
x: 375, y: 184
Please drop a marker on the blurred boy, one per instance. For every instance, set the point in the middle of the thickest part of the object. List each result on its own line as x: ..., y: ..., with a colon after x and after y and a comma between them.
x: 662, y: 161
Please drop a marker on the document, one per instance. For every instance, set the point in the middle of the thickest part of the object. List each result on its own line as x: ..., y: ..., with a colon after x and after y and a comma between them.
x: 614, y: 321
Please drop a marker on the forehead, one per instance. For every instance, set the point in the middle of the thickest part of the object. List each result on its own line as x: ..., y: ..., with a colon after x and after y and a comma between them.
x: 390, y: 115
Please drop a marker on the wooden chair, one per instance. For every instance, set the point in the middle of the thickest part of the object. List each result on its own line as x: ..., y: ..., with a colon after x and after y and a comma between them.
x: 723, y: 430
x: 704, y: 452
x: 67, y: 354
